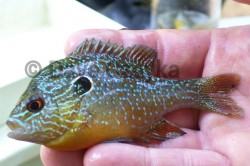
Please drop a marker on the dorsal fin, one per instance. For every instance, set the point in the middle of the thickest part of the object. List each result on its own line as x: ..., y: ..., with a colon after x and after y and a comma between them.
x: 138, y: 54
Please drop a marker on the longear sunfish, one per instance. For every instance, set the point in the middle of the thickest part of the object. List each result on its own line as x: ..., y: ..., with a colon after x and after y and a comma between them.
x: 104, y: 92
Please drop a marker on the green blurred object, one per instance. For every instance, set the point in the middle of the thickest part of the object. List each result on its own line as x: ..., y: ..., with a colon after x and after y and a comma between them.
x: 185, y: 14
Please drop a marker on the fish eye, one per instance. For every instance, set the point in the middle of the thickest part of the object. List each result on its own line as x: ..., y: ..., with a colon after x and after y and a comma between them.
x: 36, y: 105
x: 83, y: 84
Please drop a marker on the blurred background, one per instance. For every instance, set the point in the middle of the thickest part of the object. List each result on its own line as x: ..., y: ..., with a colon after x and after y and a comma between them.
x: 139, y: 14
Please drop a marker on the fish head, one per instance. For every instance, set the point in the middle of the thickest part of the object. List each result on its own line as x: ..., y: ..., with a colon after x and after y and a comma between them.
x: 34, y: 119
x: 49, y: 106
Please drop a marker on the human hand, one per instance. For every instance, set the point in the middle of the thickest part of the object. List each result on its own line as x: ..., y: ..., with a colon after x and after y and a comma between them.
x: 211, y: 139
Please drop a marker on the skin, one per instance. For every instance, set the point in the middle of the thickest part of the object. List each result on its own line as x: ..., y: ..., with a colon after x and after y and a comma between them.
x: 212, y: 139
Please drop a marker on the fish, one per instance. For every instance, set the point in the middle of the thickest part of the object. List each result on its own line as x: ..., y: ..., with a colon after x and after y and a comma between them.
x: 105, y: 92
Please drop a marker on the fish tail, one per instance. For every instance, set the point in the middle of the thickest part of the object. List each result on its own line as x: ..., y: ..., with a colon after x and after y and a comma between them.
x: 214, y: 95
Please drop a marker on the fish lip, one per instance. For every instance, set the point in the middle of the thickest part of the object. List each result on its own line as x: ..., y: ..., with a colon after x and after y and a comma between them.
x: 16, y: 133
x: 17, y: 127
x: 21, y: 131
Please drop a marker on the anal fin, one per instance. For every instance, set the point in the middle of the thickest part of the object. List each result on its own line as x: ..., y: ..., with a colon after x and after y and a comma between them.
x: 161, y: 130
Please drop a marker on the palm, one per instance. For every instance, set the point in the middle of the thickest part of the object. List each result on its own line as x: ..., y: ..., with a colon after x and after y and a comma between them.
x: 212, y: 139
x: 229, y: 136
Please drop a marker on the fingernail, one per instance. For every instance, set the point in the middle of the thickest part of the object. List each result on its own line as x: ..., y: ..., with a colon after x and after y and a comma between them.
x: 95, y: 156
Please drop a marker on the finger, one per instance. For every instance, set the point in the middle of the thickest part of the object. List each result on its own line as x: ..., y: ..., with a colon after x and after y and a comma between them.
x: 243, y: 1
x: 185, y: 49
x: 191, y: 140
x: 187, y: 118
x: 52, y: 157
x: 228, y: 51
x: 123, y: 154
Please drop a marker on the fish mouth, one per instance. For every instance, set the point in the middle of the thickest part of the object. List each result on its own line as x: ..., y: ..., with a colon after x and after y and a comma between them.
x: 18, y: 129
x: 23, y: 132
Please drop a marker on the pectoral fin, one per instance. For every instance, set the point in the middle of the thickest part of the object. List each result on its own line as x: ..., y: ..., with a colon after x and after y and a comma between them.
x: 161, y: 131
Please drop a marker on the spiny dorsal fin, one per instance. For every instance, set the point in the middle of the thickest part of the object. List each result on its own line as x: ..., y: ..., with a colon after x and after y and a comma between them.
x: 138, y: 54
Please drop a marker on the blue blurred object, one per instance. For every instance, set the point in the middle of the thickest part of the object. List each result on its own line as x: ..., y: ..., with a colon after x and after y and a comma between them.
x: 96, y: 4
x: 134, y: 14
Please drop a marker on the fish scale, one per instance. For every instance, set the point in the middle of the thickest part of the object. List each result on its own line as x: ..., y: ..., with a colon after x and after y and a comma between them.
x: 104, y: 92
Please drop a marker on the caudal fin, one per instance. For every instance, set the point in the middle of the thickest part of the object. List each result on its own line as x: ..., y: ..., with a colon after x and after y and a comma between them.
x: 214, y: 95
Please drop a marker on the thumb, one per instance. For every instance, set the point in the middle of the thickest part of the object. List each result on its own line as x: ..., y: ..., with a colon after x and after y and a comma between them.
x: 125, y: 154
